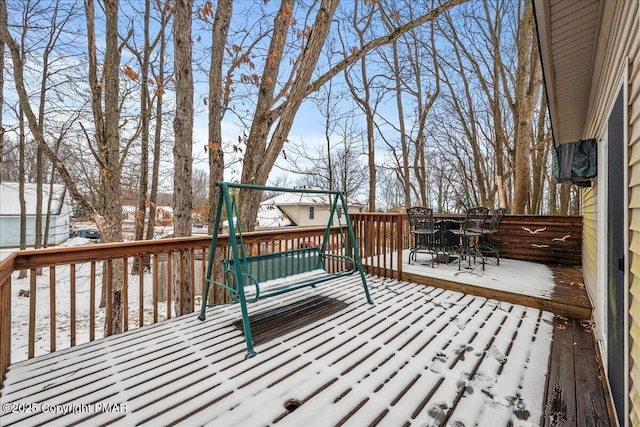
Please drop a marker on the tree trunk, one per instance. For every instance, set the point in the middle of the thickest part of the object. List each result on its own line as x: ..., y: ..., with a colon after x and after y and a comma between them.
x: 182, y: 151
x: 157, y: 137
x: 21, y: 174
x: 217, y: 104
x: 145, y: 118
x: 110, y: 152
x: 540, y: 155
x: 565, y: 197
x: 527, y: 91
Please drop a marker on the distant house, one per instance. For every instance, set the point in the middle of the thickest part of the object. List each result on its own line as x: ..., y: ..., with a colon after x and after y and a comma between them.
x: 59, y: 219
x: 164, y: 215
x: 299, y: 209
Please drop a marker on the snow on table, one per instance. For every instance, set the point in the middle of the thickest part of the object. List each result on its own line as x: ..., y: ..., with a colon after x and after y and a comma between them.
x: 418, y: 355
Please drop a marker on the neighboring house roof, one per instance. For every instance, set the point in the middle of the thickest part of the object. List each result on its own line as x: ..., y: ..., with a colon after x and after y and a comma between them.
x: 303, y: 199
x: 10, y: 198
x: 271, y: 215
x: 568, y: 32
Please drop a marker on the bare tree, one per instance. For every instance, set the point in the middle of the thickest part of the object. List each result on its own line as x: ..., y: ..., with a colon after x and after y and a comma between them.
x: 339, y: 164
x: 363, y: 92
x: 274, y: 114
x: 160, y: 77
x: 527, y: 89
x: 183, y: 148
x: 416, y: 82
x: 219, y: 93
x: 146, y: 55
x: 200, y: 185
x: 24, y: 100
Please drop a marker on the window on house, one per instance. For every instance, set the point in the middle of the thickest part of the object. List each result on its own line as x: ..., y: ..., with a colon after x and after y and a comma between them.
x: 311, y: 212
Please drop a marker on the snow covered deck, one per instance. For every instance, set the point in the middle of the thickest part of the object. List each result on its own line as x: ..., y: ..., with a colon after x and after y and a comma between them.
x: 419, y: 355
x: 558, y: 289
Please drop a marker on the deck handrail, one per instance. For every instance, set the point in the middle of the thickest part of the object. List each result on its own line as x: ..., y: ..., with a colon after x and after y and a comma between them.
x: 381, y: 237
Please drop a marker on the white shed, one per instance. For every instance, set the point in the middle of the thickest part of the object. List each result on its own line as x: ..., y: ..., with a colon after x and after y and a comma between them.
x: 59, y: 219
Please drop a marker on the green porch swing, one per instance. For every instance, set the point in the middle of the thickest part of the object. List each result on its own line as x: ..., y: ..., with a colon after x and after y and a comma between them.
x: 250, y: 278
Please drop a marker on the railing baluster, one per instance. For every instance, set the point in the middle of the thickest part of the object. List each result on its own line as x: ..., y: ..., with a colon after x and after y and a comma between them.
x: 5, y: 325
x: 168, y: 286
x: 192, y: 282
x: 109, y: 290
x: 181, y: 282
x: 141, y: 286
x: 125, y: 292
x: 203, y: 270
x: 399, y: 247
x: 92, y: 303
x: 72, y: 311
x: 52, y: 309
x: 154, y: 285
x: 32, y: 312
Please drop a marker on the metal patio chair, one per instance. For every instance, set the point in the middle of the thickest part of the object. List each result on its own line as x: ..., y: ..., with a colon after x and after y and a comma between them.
x: 492, y: 227
x: 424, y: 232
x: 470, y: 233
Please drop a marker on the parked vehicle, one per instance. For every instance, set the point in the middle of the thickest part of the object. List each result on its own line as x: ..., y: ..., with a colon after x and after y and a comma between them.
x: 90, y: 233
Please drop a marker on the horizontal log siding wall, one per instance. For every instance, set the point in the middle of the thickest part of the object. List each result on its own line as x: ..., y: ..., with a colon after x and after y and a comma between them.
x: 547, y: 239
x: 537, y: 238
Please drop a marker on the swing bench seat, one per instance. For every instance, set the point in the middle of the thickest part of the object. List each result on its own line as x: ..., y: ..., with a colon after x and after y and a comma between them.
x: 249, y: 278
x: 276, y: 273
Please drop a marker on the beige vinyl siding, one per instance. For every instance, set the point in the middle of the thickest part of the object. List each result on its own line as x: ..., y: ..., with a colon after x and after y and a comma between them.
x: 619, y: 39
x: 613, y: 47
x: 634, y: 173
x: 633, y: 11
x: 590, y: 240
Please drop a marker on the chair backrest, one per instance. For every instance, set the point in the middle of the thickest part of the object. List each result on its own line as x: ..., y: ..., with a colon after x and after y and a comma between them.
x: 496, y: 219
x: 475, y: 218
x: 421, y: 218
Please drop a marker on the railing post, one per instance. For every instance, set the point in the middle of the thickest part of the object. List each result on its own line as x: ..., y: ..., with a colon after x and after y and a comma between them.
x: 6, y: 268
x: 399, y: 246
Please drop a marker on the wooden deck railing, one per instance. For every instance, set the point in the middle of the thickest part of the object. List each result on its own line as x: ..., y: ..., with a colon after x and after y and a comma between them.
x: 147, y: 297
x: 80, y: 272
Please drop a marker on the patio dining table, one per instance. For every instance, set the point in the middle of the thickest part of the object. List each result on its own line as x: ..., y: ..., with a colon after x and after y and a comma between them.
x: 446, y: 244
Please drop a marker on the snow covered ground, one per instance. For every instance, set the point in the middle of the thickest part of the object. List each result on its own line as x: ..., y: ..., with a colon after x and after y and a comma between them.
x: 20, y: 306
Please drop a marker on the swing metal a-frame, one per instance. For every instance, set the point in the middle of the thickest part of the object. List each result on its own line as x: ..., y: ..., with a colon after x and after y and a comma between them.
x: 249, y: 278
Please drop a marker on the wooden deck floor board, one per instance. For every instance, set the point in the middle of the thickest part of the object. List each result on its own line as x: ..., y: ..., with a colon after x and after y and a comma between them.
x: 418, y: 355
